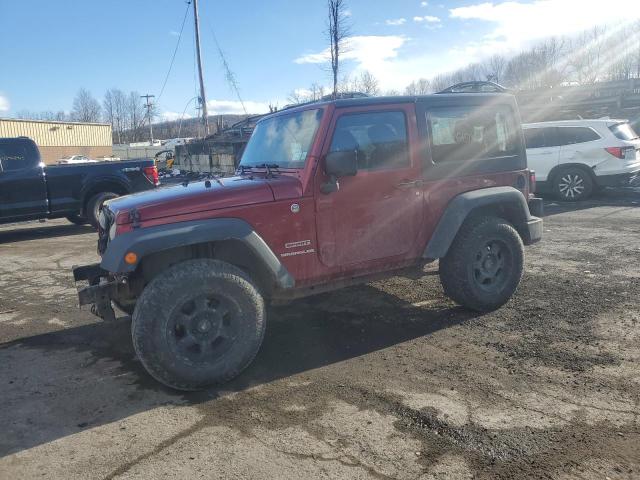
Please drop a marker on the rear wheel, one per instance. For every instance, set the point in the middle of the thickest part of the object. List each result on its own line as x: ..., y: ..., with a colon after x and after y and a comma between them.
x: 483, y: 266
x: 573, y: 184
x: 198, y: 323
x: 94, y: 205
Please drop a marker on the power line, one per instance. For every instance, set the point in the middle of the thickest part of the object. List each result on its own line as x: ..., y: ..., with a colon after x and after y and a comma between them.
x: 231, y: 78
x: 175, y: 51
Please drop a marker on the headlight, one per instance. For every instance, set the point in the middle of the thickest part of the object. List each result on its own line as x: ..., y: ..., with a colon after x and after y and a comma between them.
x: 112, y: 231
x: 102, y: 220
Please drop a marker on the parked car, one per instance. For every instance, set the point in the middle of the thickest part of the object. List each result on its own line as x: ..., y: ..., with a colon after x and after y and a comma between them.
x: 29, y: 190
x: 327, y: 195
x: 572, y: 158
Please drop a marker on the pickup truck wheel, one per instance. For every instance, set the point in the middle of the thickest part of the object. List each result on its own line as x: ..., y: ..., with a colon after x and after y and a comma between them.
x: 572, y: 184
x: 95, y: 204
x: 483, y: 267
x: 77, y: 219
x: 198, y: 323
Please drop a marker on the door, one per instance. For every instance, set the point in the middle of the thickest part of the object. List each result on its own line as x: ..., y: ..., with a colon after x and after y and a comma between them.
x: 580, y: 145
x: 378, y: 212
x: 23, y: 193
x: 543, y: 150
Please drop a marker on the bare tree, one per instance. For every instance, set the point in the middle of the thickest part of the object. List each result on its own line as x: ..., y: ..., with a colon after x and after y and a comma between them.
x: 338, y: 32
x: 46, y: 115
x: 494, y: 67
x: 135, y: 114
x: 85, y: 107
x: 418, y: 87
x: 367, y: 83
x: 440, y: 82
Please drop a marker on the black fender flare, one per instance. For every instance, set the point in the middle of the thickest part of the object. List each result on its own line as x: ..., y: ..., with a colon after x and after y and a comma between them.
x: 144, y: 241
x: 462, y: 205
x: 93, y: 184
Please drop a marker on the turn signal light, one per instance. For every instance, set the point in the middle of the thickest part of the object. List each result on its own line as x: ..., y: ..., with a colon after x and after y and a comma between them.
x: 131, y: 258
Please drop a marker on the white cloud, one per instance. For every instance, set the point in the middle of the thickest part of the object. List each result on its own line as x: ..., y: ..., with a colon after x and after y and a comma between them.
x: 4, y: 104
x: 364, y: 49
x: 424, y: 4
x: 173, y: 33
x: 396, y: 21
x: 219, y: 107
x: 426, y: 18
x: 171, y: 116
x: 517, y: 24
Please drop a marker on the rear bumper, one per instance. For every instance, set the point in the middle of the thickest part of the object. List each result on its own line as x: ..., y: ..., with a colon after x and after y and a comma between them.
x: 619, y: 180
x: 102, y: 288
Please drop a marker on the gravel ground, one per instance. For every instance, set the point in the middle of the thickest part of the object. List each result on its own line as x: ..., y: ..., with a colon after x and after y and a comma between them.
x: 386, y: 380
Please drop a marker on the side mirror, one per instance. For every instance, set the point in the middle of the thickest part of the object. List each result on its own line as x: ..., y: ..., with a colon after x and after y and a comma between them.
x: 341, y: 164
x: 336, y: 165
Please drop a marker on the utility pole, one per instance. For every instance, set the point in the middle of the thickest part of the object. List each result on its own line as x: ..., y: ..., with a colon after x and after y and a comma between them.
x: 203, y: 98
x: 148, y: 106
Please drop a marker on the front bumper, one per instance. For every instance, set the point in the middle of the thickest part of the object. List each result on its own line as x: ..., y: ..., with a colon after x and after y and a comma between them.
x: 102, y: 288
x: 533, y: 230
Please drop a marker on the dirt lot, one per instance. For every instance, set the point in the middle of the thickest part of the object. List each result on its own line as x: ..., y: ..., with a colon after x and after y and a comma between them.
x: 387, y: 380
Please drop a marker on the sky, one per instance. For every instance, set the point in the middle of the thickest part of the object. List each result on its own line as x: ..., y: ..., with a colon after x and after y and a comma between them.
x: 50, y: 49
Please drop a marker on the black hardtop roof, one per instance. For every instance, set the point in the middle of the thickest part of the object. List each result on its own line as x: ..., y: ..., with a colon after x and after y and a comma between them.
x: 440, y: 99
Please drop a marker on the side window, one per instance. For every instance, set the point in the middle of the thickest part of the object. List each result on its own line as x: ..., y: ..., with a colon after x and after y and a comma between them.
x: 14, y: 156
x: 535, y: 137
x: 380, y: 139
x: 461, y: 134
x: 573, y: 135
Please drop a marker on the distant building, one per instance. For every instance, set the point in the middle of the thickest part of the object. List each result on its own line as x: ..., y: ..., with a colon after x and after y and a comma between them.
x: 61, y: 139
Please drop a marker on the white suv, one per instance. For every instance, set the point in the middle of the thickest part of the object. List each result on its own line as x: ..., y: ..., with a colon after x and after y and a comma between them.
x: 573, y: 157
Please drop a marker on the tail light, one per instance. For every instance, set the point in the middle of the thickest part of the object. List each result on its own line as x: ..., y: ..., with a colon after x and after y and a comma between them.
x: 152, y: 174
x: 532, y: 181
x: 619, y: 152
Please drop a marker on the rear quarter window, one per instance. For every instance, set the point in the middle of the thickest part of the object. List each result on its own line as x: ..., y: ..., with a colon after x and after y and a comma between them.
x: 17, y: 154
x: 470, y: 133
x: 624, y: 131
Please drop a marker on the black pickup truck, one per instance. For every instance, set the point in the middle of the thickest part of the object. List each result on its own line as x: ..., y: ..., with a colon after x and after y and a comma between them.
x: 29, y: 190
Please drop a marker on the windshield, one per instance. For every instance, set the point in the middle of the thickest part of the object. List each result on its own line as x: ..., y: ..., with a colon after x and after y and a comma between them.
x: 624, y: 131
x: 284, y: 140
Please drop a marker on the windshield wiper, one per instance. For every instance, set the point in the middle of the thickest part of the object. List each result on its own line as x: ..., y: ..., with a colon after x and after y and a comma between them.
x: 267, y: 166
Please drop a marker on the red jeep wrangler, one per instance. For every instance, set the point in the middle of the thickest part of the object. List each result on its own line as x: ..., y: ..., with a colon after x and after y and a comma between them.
x: 326, y: 195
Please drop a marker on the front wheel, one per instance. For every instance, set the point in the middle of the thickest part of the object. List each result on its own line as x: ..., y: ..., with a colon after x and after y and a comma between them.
x: 198, y: 323
x: 483, y: 267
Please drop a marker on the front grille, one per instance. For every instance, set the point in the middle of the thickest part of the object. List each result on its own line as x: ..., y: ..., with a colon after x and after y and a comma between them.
x: 103, y: 233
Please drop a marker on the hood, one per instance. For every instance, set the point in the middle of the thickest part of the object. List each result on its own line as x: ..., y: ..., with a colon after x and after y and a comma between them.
x: 201, y: 196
